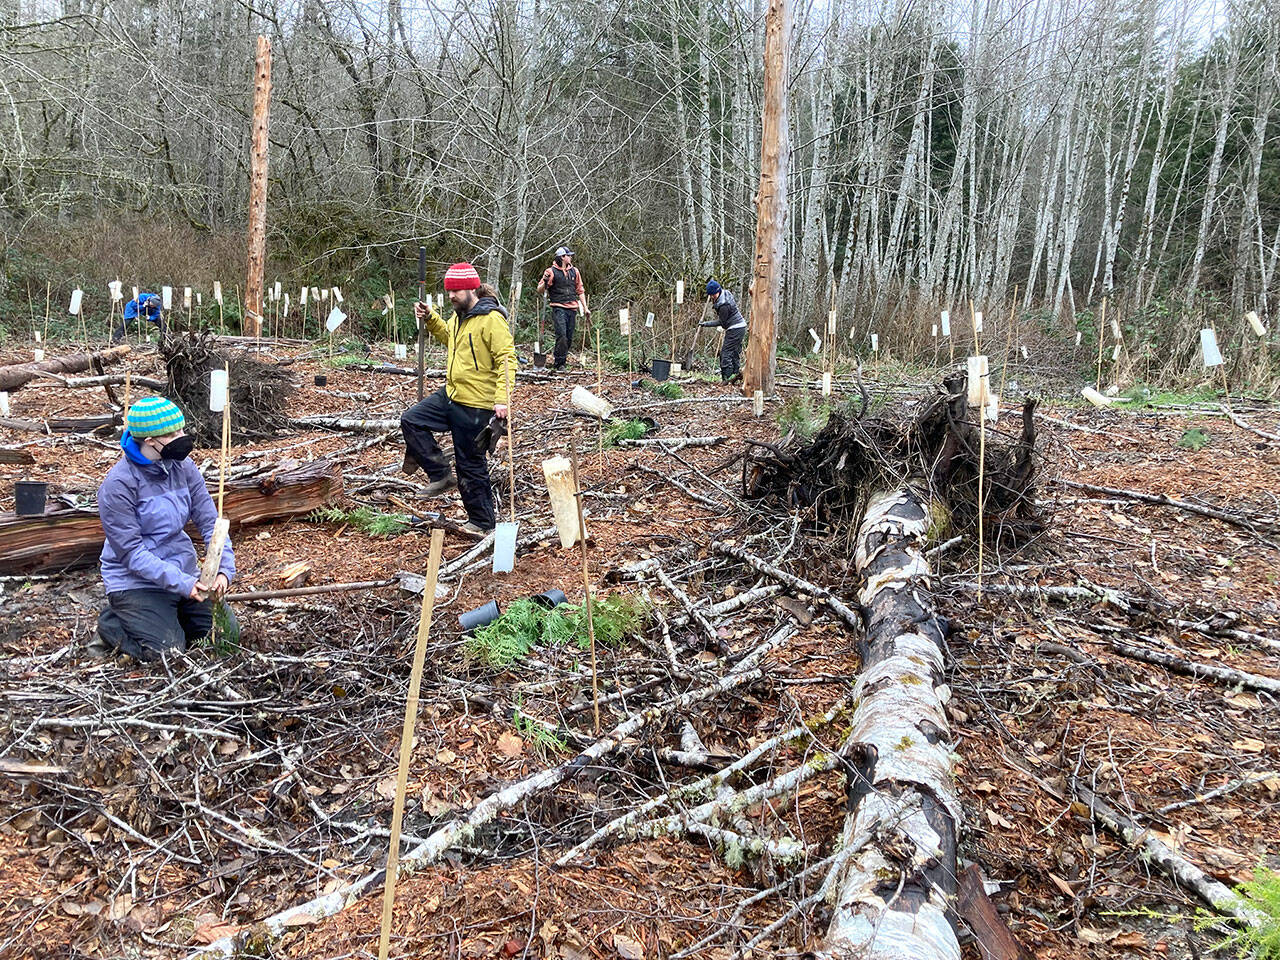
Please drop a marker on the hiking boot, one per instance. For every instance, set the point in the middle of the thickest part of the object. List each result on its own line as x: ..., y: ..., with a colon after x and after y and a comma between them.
x: 437, y: 487
x: 472, y: 527
x: 410, y: 465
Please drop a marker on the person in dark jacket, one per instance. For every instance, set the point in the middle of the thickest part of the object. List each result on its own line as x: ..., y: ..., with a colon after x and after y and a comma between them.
x: 480, y: 370
x: 562, y: 283
x: 146, y: 306
x: 735, y: 329
x: 149, y: 567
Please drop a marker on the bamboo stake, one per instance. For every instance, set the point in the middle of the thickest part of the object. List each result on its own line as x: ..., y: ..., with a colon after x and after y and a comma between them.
x: 406, y: 739
x: 226, y: 437
x: 982, y: 467
x: 586, y: 582
x: 1102, y: 319
x: 511, y: 445
x: 1008, y: 343
x: 598, y: 368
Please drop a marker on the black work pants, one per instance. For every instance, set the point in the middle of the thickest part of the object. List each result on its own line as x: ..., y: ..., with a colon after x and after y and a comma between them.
x: 565, y: 321
x: 146, y: 623
x: 434, y: 414
x: 731, y: 352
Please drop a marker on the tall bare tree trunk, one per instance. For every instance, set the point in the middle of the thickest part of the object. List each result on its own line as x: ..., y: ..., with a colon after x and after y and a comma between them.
x: 771, y: 204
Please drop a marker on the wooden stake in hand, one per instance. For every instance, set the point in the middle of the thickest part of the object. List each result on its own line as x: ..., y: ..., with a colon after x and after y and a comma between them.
x: 406, y: 738
x: 586, y: 581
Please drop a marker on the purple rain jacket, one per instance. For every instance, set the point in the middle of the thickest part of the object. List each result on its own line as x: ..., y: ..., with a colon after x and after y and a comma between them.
x: 144, y: 507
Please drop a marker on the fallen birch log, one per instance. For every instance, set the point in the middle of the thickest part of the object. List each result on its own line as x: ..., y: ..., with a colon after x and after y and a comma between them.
x: 18, y: 375
x: 72, y: 537
x: 463, y: 828
x: 892, y: 899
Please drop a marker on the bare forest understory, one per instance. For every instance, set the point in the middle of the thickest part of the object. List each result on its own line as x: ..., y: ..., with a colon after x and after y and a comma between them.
x: 149, y: 811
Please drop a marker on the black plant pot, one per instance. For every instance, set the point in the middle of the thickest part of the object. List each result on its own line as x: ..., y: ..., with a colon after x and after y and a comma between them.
x: 480, y: 616
x: 539, y: 360
x: 30, y: 497
x: 550, y: 598
x: 321, y: 380
x: 661, y: 369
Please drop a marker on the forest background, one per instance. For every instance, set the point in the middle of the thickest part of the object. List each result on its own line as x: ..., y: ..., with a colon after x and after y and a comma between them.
x: 1026, y: 158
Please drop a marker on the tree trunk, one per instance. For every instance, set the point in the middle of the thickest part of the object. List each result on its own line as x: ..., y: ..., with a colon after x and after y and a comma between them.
x: 771, y: 205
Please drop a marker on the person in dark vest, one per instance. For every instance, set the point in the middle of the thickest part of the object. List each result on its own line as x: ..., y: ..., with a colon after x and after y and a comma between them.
x: 735, y: 329
x: 480, y: 371
x: 562, y: 282
x: 145, y: 306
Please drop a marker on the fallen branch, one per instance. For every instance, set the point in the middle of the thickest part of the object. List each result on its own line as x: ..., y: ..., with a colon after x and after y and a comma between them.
x: 1159, y: 499
x: 1243, y: 425
x: 1156, y: 852
x: 310, y: 591
x: 345, y: 423
x: 838, y: 607
x: 108, y: 380
x: 16, y: 376
x: 1201, y: 671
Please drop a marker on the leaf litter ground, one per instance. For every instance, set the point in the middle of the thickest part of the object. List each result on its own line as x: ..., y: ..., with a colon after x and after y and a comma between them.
x: 132, y: 848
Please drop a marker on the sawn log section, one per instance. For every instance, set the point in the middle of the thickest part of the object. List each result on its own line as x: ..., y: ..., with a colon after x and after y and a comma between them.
x: 73, y: 537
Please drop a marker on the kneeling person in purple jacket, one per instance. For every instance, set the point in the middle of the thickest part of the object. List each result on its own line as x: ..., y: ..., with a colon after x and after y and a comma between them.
x: 149, y: 563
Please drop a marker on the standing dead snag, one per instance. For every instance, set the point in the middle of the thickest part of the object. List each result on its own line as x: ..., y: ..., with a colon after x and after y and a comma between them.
x: 893, y: 895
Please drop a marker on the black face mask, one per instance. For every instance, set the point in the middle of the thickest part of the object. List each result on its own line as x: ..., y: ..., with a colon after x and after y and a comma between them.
x: 178, y: 449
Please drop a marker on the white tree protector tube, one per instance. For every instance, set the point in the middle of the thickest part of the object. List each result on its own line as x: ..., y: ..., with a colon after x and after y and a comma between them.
x: 1209, y: 348
x: 1259, y: 328
x: 1094, y: 397
x: 166, y: 298
x: 946, y: 323
x: 73, y: 308
x: 218, y: 384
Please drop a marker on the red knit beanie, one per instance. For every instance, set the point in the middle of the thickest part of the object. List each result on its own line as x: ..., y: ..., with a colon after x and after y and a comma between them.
x: 461, y: 276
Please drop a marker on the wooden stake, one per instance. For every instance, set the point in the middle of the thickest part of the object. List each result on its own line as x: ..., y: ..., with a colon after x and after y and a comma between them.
x: 586, y: 582
x: 511, y: 445
x: 406, y: 738
x: 982, y: 465
x: 598, y: 368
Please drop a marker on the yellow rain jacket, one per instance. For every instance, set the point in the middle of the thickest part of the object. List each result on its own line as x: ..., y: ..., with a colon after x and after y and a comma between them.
x: 479, y: 347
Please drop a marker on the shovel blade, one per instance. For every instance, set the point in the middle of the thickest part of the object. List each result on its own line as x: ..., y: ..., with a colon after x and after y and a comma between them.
x: 504, y: 547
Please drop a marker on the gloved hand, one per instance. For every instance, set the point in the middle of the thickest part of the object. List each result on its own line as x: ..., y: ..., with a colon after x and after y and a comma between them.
x: 491, y: 435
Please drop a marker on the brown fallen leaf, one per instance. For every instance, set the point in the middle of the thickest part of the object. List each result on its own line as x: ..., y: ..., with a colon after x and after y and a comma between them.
x: 627, y: 948
x: 1062, y: 885
x: 510, y: 745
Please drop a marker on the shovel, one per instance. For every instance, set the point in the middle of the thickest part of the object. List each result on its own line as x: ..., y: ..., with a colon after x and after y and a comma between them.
x: 688, y: 357
x: 504, y: 534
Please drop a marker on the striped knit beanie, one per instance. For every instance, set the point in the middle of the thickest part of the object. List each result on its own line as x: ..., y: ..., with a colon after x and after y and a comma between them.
x: 461, y: 276
x: 154, y: 417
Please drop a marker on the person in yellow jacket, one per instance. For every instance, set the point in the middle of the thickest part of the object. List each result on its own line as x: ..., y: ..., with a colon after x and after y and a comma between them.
x: 480, y: 359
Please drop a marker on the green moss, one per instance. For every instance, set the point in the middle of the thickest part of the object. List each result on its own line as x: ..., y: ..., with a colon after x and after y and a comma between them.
x: 906, y: 743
